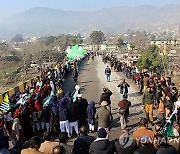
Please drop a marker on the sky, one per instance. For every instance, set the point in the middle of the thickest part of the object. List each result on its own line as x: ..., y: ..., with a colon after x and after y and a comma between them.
x: 11, y: 7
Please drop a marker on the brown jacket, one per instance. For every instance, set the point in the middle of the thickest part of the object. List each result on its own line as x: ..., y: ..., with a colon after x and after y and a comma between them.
x: 141, y: 131
x: 124, y: 104
x: 47, y: 146
x: 30, y: 151
x: 103, y: 115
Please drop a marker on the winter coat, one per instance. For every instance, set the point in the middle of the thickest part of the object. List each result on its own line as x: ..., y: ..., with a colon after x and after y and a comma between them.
x: 103, y: 146
x: 91, y: 111
x: 128, y: 150
x: 82, y: 107
x: 103, y: 115
x: 145, y: 150
x: 148, y: 98
x: 82, y: 144
x: 125, y: 104
x: 108, y: 71
x: 62, y: 108
x: 124, y: 88
x: 68, y: 148
x: 141, y: 131
x: 169, y: 149
x: 106, y: 97
x: 72, y: 109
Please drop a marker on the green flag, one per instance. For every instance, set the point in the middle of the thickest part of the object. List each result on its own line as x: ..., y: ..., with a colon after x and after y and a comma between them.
x: 168, y: 129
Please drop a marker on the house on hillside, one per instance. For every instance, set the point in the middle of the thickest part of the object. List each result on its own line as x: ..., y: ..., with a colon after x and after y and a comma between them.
x: 132, y: 58
x: 166, y: 45
x: 108, y: 47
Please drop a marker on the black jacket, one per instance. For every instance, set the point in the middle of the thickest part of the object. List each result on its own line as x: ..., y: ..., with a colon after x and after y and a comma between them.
x: 63, y: 115
x: 123, y: 86
x: 82, y: 107
x: 167, y: 150
x: 68, y: 148
x: 128, y: 150
x: 145, y: 150
x: 108, y: 71
x: 102, y: 147
x: 106, y: 97
x: 82, y: 144
x: 72, y: 109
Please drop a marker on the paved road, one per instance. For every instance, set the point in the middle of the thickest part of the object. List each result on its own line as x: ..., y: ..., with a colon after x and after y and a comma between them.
x: 92, y: 79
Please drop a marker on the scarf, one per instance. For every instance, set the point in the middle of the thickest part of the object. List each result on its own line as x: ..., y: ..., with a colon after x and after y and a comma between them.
x: 77, y: 87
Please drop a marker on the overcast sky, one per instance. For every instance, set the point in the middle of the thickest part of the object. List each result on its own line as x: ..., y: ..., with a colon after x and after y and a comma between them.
x: 12, y: 7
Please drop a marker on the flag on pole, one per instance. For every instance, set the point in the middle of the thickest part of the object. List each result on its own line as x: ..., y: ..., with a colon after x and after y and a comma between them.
x: 168, y: 128
x: 6, y: 98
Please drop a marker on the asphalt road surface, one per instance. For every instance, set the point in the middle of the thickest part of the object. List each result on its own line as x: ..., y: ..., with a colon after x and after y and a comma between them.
x: 92, y: 79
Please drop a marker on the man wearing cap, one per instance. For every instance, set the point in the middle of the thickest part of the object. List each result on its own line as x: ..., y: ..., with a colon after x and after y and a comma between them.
x: 103, y: 116
x: 145, y: 147
x: 148, y: 104
x: 82, y: 108
x: 102, y: 144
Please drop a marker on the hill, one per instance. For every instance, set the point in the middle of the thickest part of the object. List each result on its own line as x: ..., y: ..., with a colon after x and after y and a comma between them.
x: 45, y: 21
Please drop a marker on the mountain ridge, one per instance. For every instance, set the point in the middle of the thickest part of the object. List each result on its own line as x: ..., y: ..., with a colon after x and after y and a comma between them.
x: 41, y: 21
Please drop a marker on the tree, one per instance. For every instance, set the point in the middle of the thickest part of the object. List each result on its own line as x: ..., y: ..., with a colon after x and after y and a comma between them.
x: 75, y: 40
x: 18, y: 38
x: 63, y: 42
x: 97, y: 37
x: 120, y: 42
x: 132, y: 46
x: 152, y: 60
x: 49, y: 40
x: 153, y: 37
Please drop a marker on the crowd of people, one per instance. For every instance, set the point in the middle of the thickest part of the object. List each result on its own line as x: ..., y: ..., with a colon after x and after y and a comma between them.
x: 48, y: 112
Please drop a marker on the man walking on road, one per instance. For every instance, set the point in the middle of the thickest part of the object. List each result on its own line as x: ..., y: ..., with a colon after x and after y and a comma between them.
x: 123, y: 89
x: 106, y: 96
x: 148, y: 104
x: 103, y: 116
x: 108, y: 73
x: 124, y: 111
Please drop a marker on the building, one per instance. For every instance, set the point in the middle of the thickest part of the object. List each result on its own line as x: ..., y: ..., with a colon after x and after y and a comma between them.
x: 132, y: 58
x: 166, y: 45
x: 108, y: 47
